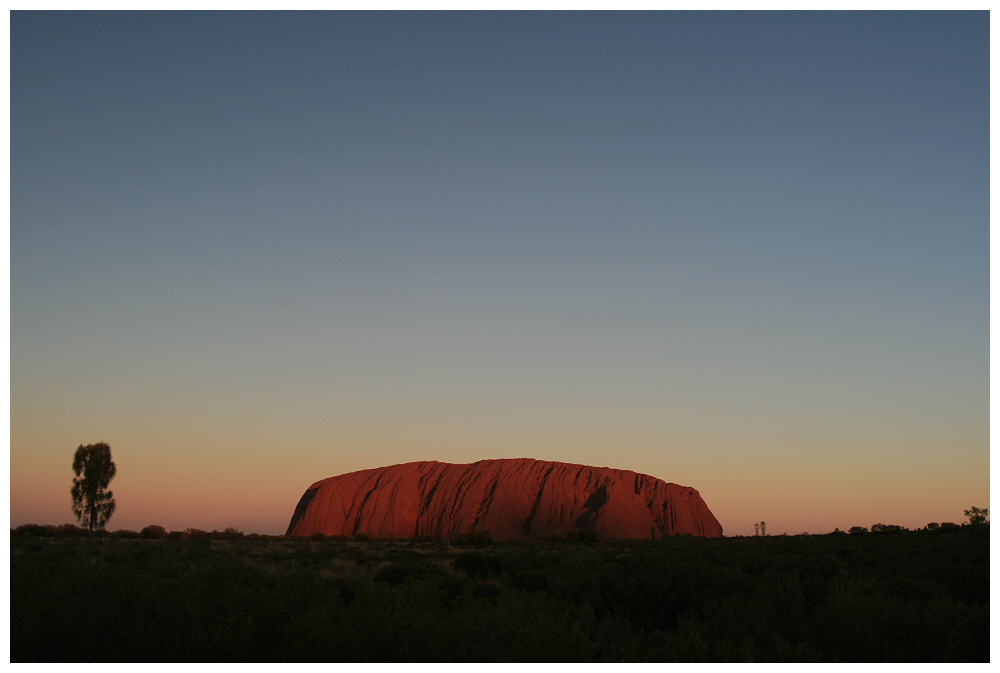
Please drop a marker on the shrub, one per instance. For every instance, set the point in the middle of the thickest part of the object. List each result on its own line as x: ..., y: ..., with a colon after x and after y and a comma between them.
x: 933, y: 526
x: 857, y: 530
x: 398, y: 572
x: 175, y: 535
x: 69, y: 530
x: 317, y: 536
x: 887, y: 528
x: 432, y: 539
x: 477, y: 564
x: 153, y: 532
x: 125, y: 534
x: 582, y: 535
x: 476, y: 537
x: 485, y: 589
x: 35, y: 529
x: 949, y: 527
x: 194, y: 534
x: 977, y: 515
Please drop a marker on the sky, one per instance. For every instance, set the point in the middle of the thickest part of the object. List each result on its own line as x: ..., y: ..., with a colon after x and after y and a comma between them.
x: 742, y: 252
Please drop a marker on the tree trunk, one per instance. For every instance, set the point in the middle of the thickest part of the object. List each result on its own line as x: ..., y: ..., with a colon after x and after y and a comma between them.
x: 90, y: 538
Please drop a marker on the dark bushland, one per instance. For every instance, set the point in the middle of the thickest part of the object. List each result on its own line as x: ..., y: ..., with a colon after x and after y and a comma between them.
x: 909, y: 596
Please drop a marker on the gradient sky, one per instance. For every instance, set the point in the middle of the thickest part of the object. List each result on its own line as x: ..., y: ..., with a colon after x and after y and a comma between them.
x: 743, y: 252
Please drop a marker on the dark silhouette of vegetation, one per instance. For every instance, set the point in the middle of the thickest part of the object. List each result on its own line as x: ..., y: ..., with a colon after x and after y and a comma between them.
x: 93, y: 504
x: 229, y: 534
x: 911, y: 596
x: 153, y: 532
x: 977, y: 515
x: 475, y: 537
x: 35, y: 529
x: 576, y: 535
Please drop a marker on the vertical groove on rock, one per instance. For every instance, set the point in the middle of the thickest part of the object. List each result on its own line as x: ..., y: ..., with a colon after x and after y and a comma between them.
x: 359, y: 517
x: 484, y: 506
x: 538, y: 500
x: 427, y: 499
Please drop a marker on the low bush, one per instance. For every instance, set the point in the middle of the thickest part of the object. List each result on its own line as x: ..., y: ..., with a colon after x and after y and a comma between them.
x: 475, y: 537
x: 400, y: 571
x: 153, y: 532
x: 35, y: 529
x: 478, y: 565
x: 580, y: 535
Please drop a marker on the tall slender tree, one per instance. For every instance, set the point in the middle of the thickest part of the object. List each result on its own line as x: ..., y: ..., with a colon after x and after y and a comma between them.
x: 93, y: 504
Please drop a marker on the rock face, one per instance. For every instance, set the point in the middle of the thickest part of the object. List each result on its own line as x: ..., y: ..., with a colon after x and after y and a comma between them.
x: 513, y: 498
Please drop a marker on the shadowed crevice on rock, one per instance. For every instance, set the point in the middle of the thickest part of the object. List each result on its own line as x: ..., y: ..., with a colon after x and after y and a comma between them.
x: 538, y: 501
x: 590, y: 508
x: 300, y: 509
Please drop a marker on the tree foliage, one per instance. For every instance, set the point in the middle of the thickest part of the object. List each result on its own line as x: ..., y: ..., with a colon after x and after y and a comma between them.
x: 977, y: 515
x: 93, y: 504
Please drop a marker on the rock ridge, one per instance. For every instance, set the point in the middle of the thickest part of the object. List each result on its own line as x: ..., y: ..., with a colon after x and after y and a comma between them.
x: 511, y: 498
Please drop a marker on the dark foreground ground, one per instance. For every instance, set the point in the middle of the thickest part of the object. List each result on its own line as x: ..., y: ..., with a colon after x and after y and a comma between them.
x: 920, y: 596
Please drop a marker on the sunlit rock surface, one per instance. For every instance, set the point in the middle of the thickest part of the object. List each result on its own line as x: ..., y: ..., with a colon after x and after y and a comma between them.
x: 512, y: 498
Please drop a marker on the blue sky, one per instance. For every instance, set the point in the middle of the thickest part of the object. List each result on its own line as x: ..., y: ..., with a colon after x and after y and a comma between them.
x: 745, y: 252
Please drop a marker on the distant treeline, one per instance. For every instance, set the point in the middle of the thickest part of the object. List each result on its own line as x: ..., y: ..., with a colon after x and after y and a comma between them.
x: 160, y: 533
x: 148, y: 533
x: 906, y: 596
x: 154, y: 532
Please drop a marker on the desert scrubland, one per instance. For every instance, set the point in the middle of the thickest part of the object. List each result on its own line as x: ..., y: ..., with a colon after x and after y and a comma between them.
x: 907, y: 596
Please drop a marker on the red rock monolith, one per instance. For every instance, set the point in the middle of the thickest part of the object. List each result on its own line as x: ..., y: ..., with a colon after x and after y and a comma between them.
x: 510, y: 498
